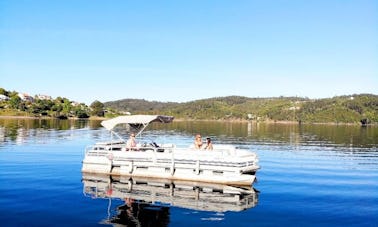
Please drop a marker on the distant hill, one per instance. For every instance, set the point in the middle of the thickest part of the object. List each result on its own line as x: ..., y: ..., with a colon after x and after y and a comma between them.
x: 139, y: 105
x: 340, y: 109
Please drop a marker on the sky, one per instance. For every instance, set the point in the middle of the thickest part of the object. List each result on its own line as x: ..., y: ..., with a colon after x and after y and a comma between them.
x: 180, y: 51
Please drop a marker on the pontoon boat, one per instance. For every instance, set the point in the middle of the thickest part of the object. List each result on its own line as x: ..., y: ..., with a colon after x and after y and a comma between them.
x: 225, y: 164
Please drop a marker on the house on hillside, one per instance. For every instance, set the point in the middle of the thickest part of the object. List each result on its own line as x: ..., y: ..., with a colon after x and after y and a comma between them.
x: 73, y: 103
x: 25, y: 97
x: 43, y: 97
x: 4, y: 98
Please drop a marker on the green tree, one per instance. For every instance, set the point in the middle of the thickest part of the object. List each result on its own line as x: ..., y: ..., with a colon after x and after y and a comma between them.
x: 81, y: 111
x: 3, y: 91
x: 14, y: 102
x: 97, y: 108
x: 66, y: 107
x: 57, y: 107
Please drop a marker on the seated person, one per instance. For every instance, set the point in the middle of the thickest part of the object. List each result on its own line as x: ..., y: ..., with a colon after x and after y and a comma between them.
x: 198, y: 142
x: 131, y: 142
x: 209, y: 144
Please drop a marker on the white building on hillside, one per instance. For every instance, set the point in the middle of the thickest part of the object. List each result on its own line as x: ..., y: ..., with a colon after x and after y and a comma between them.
x: 25, y: 97
x: 4, y: 98
x: 44, y: 97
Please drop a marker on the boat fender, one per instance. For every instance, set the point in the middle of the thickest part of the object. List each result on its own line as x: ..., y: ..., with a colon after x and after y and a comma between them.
x: 110, y: 156
x: 130, y: 167
x: 172, y: 168
x: 109, y: 192
x: 130, y: 185
x: 197, y: 167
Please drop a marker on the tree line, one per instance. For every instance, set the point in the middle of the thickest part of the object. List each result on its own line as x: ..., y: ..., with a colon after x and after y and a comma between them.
x: 354, y: 108
x: 60, y: 107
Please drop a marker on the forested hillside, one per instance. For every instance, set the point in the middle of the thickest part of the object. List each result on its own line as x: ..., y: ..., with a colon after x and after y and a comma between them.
x: 13, y: 103
x: 340, y: 109
x: 139, y: 105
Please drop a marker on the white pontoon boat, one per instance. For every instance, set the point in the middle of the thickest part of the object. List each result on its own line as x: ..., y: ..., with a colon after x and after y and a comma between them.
x: 223, y: 165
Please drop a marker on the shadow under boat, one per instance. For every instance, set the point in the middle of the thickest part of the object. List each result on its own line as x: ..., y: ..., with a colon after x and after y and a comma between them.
x: 147, y: 199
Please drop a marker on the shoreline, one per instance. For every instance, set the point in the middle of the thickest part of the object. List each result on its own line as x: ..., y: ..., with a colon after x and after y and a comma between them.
x: 199, y: 120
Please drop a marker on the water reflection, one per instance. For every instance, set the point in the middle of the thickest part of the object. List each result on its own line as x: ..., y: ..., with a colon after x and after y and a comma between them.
x: 22, y: 129
x: 293, y: 134
x: 149, y: 201
x: 28, y: 123
x: 138, y: 213
x: 233, y: 132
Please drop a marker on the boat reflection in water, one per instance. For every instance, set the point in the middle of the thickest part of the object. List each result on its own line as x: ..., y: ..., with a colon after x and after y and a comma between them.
x: 148, y: 201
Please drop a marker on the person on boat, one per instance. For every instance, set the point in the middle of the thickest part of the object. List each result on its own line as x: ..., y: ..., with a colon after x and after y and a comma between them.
x: 209, y: 144
x: 198, y: 142
x: 131, y: 143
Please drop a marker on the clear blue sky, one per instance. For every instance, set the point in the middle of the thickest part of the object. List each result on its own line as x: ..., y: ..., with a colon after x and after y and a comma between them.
x: 187, y: 50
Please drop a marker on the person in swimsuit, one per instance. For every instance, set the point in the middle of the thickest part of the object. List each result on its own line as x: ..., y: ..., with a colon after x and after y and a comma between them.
x: 209, y: 144
x: 131, y: 143
x: 198, y: 142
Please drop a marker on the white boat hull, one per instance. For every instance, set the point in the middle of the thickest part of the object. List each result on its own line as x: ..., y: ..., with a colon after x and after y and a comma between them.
x: 223, y: 165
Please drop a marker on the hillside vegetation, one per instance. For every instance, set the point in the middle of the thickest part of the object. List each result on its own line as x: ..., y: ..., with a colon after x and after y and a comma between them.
x: 340, y: 109
x: 13, y: 103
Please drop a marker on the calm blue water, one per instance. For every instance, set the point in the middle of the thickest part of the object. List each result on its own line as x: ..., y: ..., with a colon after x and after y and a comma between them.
x: 309, y: 176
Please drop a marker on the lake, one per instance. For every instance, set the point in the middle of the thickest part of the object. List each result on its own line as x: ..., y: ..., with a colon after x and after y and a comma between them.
x: 311, y: 175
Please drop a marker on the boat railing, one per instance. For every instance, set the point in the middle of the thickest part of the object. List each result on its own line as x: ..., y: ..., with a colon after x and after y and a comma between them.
x: 206, y: 153
x: 218, y: 151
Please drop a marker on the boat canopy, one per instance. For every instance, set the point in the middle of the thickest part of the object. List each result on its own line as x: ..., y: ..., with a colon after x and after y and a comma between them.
x: 135, y: 120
